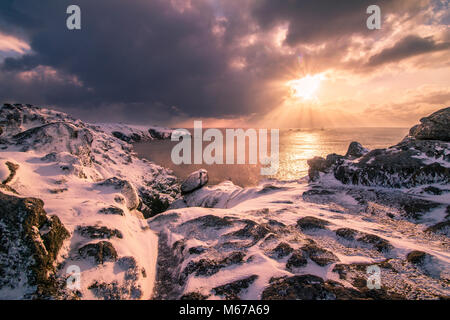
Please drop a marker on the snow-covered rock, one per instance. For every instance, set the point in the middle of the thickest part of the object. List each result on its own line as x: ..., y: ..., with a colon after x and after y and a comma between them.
x: 316, y: 239
x: 92, y: 182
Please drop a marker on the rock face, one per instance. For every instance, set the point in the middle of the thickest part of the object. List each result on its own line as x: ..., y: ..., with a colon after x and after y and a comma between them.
x: 420, y: 159
x: 195, y: 181
x: 433, y: 127
x: 29, y: 245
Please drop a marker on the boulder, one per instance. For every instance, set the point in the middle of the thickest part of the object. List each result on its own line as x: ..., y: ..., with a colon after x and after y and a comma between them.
x: 195, y: 181
x: 434, y: 127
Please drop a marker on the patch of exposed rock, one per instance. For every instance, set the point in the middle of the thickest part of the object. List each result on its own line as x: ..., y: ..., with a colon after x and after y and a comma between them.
x: 29, y: 245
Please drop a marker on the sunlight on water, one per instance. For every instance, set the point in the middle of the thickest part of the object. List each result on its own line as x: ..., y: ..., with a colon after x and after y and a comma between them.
x: 296, y: 147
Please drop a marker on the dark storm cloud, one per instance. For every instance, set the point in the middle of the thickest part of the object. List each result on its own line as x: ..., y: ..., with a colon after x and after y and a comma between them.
x: 133, y: 52
x: 317, y: 21
x: 407, y: 47
x: 147, y: 59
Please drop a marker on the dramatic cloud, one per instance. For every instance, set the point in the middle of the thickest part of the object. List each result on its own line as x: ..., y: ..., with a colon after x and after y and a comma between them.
x: 172, y: 60
x: 409, y: 46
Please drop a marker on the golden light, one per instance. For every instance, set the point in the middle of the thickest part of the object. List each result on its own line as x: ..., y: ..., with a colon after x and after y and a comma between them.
x: 305, y: 88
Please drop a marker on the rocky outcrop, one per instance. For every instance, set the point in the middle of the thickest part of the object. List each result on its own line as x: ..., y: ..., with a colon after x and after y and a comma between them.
x: 29, y: 245
x: 420, y: 159
x: 434, y: 127
x: 160, y: 134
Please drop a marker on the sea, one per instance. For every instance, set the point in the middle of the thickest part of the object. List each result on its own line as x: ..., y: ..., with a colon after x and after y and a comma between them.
x: 296, y: 146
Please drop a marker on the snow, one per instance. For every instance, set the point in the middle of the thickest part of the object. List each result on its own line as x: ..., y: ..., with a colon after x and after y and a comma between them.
x: 69, y: 175
x: 283, y: 203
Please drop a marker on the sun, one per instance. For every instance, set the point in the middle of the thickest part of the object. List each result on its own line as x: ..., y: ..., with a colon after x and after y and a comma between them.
x: 305, y: 88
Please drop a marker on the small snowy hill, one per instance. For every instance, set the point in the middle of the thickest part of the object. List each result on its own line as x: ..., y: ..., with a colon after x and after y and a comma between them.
x: 74, y: 195
x: 99, y: 191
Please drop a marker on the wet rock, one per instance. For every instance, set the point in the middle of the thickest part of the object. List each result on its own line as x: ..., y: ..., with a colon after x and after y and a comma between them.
x: 281, y: 250
x: 94, y: 232
x: 29, y: 245
x: 112, y: 210
x: 316, y: 165
x: 311, y: 223
x: 434, y: 127
x: 355, y: 150
x: 297, y: 260
x: 102, y: 252
x: 195, y: 181
x: 232, y: 290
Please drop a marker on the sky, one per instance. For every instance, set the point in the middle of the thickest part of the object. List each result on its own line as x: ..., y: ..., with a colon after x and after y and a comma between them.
x: 230, y: 63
